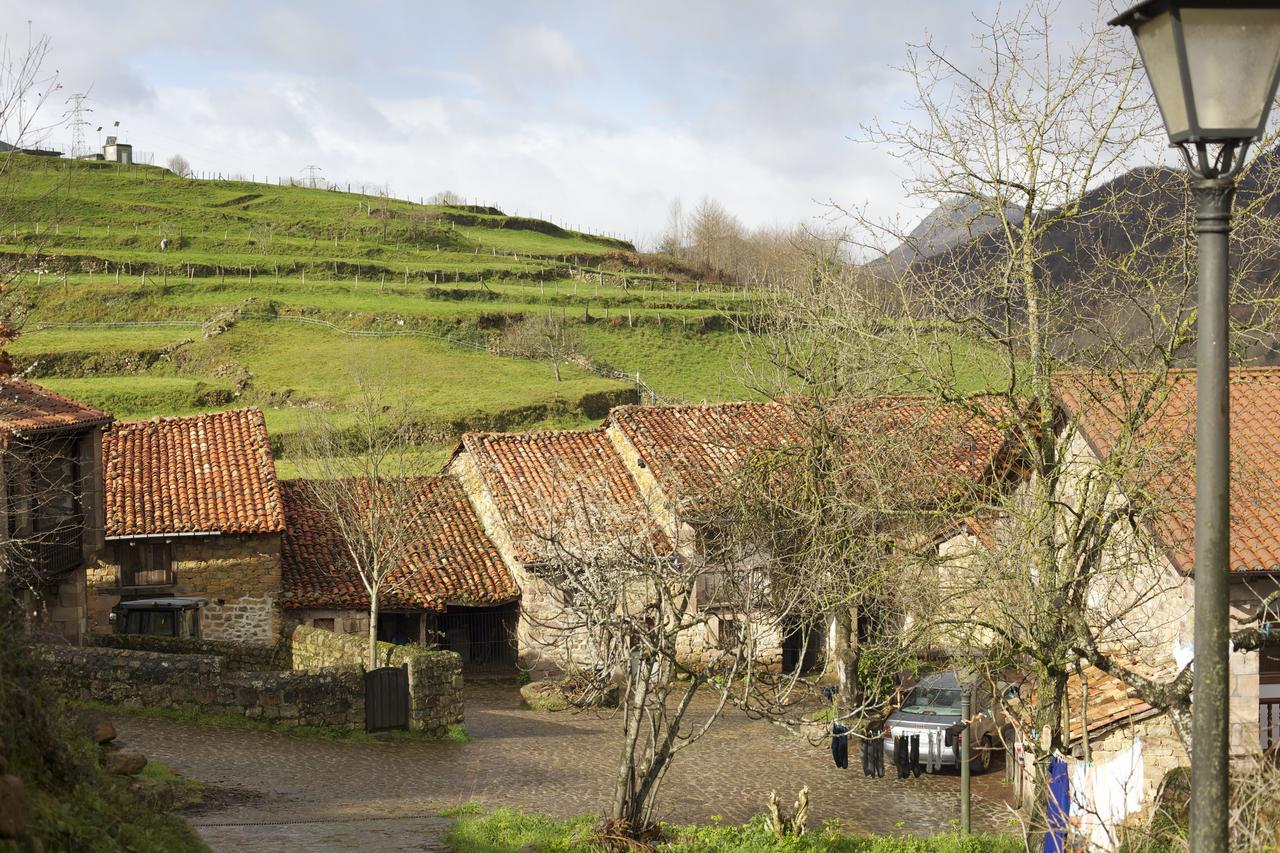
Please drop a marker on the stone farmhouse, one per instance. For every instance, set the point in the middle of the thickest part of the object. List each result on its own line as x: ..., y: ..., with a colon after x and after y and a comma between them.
x: 51, y: 498
x: 1148, y: 606
x: 456, y: 591
x: 193, y: 508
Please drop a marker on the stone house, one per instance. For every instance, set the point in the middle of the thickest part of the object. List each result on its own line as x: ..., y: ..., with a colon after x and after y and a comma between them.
x: 192, y: 507
x: 52, y: 501
x: 455, y: 590
x: 1162, y: 628
x: 1144, y: 613
x: 545, y: 497
x: 685, y: 457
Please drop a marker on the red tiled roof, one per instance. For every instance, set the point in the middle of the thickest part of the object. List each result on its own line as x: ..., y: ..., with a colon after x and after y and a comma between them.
x: 26, y: 408
x: 695, y: 450
x: 1167, y: 445
x: 1110, y: 701
x: 455, y: 563
x: 564, y: 492
x: 210, y: 473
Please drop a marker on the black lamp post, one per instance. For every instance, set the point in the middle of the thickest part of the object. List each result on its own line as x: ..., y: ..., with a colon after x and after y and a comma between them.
x: 1213, y: 67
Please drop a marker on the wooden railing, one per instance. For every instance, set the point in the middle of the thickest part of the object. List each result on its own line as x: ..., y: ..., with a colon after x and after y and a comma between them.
x: 1269, y: 723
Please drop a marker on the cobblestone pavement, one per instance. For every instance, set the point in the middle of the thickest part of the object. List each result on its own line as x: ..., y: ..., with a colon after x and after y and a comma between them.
x: 317, y: 794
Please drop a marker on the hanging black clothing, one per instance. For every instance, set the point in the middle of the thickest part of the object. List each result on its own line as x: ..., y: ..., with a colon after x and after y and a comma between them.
x: 916, y: 767
x: 902, y: 756
x: 840, y: 746
x: 877, y: 757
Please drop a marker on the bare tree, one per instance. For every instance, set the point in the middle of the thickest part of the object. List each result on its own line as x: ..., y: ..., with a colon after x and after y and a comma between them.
x: 641, y: 611
x: 179, y: 166
x: 362, y: 469
x: 1068, y: 264
x: 448, y: 198
x: 543, y: 336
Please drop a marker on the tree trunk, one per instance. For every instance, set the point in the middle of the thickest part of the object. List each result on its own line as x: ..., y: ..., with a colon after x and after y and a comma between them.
x: 844, y: 658
x: 624, y: 783
x: 373, y: 629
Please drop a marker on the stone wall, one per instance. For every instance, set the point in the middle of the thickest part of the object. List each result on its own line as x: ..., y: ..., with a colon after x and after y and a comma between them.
x: 435, y: 677
x: 140, y: 679
x: 240, y: 575
x: 237, y: 657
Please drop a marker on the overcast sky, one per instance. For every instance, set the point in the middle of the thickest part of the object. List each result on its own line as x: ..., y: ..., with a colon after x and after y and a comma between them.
x: 593, y: 114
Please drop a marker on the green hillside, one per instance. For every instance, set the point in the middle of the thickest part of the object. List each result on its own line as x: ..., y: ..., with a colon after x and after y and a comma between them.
x: 281, y: 296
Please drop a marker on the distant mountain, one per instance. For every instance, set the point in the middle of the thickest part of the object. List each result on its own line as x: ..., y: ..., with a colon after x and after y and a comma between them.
x: 948, y: 225
x: 1088, y: 265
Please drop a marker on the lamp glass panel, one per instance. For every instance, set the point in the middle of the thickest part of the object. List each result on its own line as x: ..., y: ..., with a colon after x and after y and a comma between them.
x: 1232, y: 55
x: 1160, y: 56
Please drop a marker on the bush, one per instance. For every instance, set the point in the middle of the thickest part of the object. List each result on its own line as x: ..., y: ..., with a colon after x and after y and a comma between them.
x: 72, y: 803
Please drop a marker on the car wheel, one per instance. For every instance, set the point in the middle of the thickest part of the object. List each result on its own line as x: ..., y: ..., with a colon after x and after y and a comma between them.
x: 982, y: 756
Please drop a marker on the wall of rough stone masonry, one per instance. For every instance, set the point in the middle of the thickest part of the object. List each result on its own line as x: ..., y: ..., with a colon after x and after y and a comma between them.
x: 1161, y: 752
x: 140, y: 679
x: 435, y: 677
x: 240, y: 575
x: 236, y: 656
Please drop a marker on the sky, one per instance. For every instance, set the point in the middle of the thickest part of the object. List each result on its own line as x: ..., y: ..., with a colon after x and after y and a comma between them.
x: 592, y: 114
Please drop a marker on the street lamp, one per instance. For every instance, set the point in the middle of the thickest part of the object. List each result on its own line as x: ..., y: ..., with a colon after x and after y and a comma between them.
x: 1214, y: 67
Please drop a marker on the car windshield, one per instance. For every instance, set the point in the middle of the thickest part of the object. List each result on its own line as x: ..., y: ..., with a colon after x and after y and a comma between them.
x: 932, y: 700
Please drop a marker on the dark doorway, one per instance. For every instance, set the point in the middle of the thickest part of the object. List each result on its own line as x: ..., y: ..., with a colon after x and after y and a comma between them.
x: 484, y: 637
x: 386, y: 698
x: 802, y: 648
x: 399, y: 628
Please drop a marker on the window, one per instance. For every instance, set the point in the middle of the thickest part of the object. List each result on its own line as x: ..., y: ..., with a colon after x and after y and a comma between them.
x: 729, y: 633
x: 326, y: 624
x: 144, y: 563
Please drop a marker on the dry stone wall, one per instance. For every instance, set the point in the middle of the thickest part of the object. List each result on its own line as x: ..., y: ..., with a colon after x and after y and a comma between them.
x: 237, y: 657
x: 435, y: 677
x: 141, y: 679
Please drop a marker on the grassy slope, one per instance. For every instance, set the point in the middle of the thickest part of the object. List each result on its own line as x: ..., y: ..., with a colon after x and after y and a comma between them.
x: 453, y: 277
x: 327, y: 256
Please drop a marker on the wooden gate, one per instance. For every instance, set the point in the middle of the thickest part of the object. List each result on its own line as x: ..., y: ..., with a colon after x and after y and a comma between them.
x: 386, y: 698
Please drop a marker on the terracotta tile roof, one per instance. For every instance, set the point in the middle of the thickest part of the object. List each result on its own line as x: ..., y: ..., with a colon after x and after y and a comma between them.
x: 455, y: 563
x: 694, y: 451
x: 27, y: 408
x: 1167, y: 445
x: 564, y: 492
x: 210, y: 473
x: 1110, y: 701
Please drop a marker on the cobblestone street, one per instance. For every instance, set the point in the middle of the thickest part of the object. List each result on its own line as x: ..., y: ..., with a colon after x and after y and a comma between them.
x: 275, y: 792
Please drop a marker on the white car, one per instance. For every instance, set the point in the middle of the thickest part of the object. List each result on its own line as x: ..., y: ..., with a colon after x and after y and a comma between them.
x: 931, y: 710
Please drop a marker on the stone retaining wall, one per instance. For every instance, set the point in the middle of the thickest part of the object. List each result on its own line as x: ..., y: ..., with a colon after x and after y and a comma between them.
x: 435, y: 677
x: 237, y: 657
x: 142, y: 679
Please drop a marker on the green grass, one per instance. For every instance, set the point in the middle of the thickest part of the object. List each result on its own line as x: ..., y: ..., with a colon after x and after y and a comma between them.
x: 505, y: 830
x: 56, y: 341
x: 131, y: 397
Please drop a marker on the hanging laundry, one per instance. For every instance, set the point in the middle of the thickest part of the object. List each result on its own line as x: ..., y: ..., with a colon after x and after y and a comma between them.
x: 840, y: 746
x: 1055, y: 840
x: 916, y: 767
x: 902, y: 756
x: 877, y: 747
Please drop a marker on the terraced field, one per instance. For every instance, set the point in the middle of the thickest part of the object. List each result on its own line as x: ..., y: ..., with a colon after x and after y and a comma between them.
x: 287, y: 297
